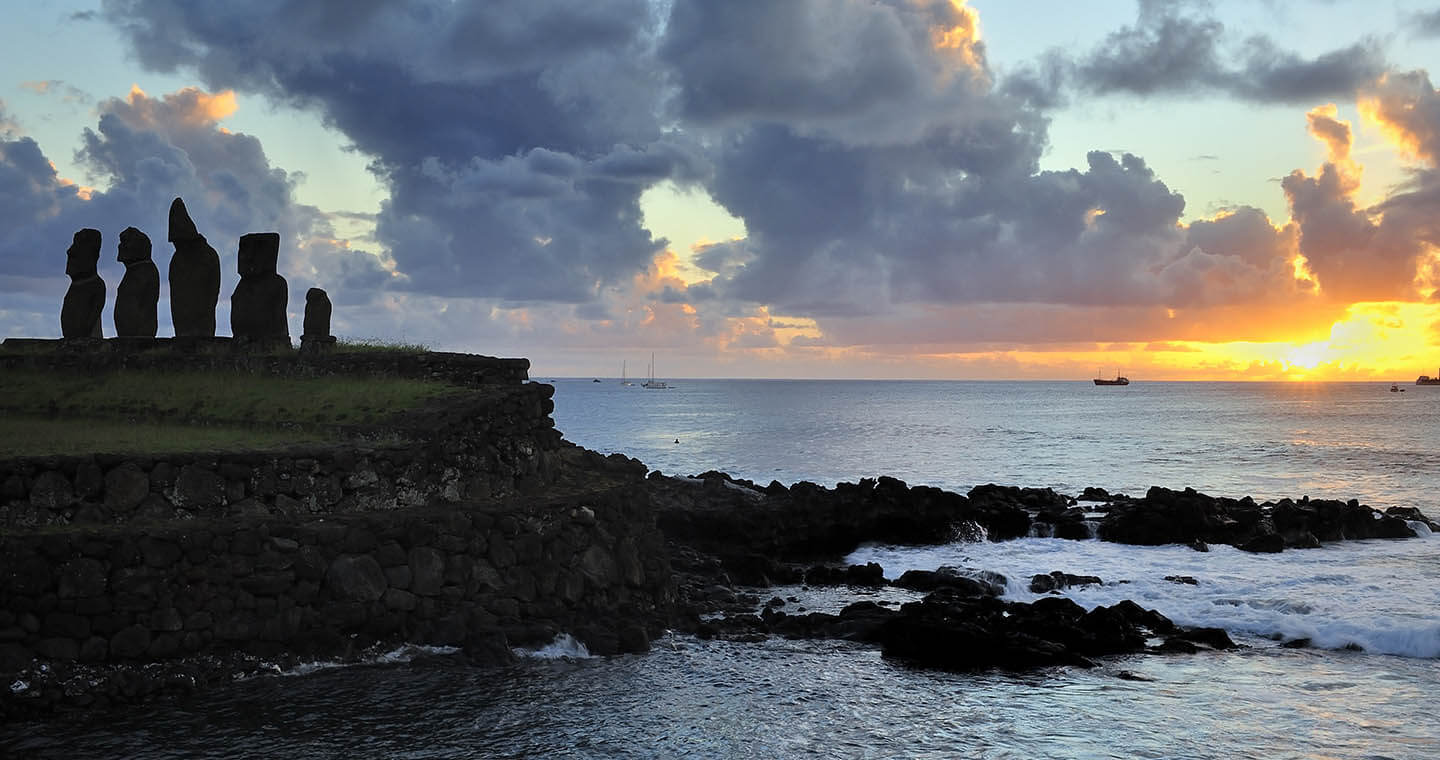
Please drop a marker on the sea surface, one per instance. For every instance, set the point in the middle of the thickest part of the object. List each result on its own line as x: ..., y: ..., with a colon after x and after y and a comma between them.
x: 1367, y: 687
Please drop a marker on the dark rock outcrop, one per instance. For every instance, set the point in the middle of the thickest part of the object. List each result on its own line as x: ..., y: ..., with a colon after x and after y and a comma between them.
x: 194, y: 276
x: 85, y: 298
x: 954, y: 632
x: 257, y: 307
x: 1057, y: 581
x: 139, y: 291
x: 962, y: 581
x: 1189, y: 517
x: 735, y: 519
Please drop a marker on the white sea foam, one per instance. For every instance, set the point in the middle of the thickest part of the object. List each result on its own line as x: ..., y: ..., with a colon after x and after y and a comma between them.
x: 397, y: 656
x: 1382, y: 596
x: 564, y: 647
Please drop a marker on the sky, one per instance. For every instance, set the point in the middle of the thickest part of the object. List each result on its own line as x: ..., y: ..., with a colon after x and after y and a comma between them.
x: 926, y: 189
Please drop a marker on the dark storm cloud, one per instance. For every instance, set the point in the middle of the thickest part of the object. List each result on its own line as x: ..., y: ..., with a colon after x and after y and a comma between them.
x: 845, y: 221
x: 515, y: 137
x: 1171, y: 50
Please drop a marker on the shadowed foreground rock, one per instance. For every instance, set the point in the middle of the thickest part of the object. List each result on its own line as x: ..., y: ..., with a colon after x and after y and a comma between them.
x: 194, y: 277
x: 139, y: 291
x: 85, y: 299
x: 967, y: 630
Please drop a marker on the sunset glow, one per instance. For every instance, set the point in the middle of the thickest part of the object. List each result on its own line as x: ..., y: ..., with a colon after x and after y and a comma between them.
x: 863, y: 188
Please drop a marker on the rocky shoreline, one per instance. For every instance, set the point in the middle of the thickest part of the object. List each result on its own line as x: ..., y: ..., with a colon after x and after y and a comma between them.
x: 729, y: 542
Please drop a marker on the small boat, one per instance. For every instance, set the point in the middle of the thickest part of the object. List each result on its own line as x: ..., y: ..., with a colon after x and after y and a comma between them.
x: 652, y: 383
x: 1428, y: 380
x: 1119, y: 380
x: 596, y: 380
x: 1394, y: 388
x: 624, y: 378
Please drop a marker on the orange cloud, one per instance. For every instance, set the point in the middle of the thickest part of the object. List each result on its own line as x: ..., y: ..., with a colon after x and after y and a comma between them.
x: 961, y: 35
x: 1407, y: 111
x: 1329, y: 129
x: 191, y: 106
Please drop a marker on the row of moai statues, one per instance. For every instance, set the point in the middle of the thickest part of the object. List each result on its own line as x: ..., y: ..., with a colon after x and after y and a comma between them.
x: 257, y: 306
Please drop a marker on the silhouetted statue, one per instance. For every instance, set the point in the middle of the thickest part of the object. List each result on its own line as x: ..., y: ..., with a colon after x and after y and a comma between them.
x: 139, y: 289
x: 317, y: 338
x: 85, y: 299
x: 194, y: 276
x: 257, y: 307
x: 317, y: 315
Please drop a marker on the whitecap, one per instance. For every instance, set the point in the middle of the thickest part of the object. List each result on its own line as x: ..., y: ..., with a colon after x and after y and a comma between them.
x: 564, y: 647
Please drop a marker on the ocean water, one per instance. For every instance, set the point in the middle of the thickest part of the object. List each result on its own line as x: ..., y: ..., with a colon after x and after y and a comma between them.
x: 1368, y: 687
x: 1267, y: 440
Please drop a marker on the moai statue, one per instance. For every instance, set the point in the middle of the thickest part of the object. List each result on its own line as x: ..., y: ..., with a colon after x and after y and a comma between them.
x: 139, y: 289
x: 85, y: 299
x: 257, y: 307
x: 194, y: 277
x: 317, y: 337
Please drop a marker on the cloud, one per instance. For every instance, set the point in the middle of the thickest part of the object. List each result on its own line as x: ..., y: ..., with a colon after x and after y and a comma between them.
x: 1425, y: 24
x: 515, y: 138
x: 1407, y: 108
x: 858, y: 71
x: 68, y: 93
x: 1172, y: 50
x: 1367, y: 254
x: 8, y: 126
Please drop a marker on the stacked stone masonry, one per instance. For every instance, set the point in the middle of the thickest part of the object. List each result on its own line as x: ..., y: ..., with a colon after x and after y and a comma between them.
x: 524, y: 570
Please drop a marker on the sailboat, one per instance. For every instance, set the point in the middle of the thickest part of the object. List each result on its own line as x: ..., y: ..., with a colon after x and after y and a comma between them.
x: 652, y: 383
x: 624, y: 378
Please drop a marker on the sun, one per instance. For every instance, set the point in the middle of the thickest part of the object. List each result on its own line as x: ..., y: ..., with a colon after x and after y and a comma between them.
x: 1309, y: 355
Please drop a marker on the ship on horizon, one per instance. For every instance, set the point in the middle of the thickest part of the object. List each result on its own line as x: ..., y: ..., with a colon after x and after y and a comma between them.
x: 1119, y: 379
x: 1428, y: 380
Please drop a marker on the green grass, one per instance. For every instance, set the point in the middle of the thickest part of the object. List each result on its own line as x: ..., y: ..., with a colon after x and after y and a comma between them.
x: 375, y: 345
x: 31, y: 437
x: 44, y: 412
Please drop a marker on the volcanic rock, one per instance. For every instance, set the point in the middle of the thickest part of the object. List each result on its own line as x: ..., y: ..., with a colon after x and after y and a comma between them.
x: 1058, y: 581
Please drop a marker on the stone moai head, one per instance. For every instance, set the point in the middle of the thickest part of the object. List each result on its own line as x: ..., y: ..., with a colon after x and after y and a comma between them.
x: 182, y: 227
x: 83, y: 255
x: 134, y: 246
x: 259, y: 254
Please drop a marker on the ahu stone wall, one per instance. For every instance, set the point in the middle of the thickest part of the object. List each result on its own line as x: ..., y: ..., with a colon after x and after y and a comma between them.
x: 207, y: 354
x: 489, y: 445
x: 514, y: 572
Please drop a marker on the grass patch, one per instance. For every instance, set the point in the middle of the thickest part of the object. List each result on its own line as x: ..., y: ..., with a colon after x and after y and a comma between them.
x: 32, y: 437
x: 126, y: 412
x: 214, y: 398
x: 375, y: 345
